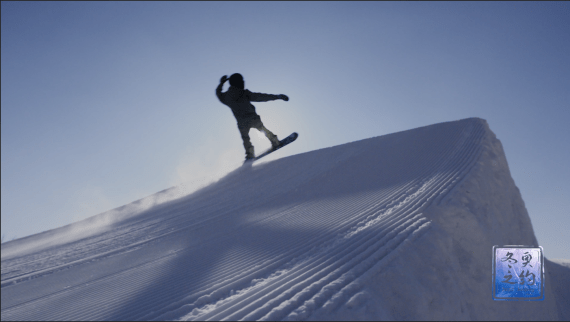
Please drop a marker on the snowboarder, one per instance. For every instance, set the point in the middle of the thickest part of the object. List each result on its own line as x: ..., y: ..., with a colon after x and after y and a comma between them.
x: 238, y: 99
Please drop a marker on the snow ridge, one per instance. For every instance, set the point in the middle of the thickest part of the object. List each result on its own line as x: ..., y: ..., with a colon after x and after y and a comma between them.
x: 276, y: 241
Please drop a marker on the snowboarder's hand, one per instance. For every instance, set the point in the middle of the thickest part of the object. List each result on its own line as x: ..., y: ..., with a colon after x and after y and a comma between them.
x: 223, y: 79
x: 284, y: 97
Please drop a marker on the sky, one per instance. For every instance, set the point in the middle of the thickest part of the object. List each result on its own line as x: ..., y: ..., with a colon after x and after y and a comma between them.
x: 104, y: 103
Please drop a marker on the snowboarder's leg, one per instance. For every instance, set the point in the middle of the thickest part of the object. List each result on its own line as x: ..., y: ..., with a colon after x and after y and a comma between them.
x: 244, y: 131
x: 272, y: 137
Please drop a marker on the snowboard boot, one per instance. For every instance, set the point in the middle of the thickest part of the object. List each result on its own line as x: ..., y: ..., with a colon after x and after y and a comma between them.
x: 249, y: 154
x: 275, y: 142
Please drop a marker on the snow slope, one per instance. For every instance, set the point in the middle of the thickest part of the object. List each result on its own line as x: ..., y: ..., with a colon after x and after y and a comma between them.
x: 394, y: 227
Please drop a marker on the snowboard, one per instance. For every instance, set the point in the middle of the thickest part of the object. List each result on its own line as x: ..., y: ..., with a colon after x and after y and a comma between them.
x: 283, y: 143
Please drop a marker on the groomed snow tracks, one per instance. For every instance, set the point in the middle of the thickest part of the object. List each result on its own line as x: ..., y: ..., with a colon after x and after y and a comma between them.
x: 281, y: 240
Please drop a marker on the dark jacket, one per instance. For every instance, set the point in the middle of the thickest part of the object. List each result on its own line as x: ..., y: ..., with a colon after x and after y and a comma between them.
x: 238, y: 100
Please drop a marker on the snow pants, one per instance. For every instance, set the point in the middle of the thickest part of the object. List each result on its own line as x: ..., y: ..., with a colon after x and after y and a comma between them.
x: 245, y: 125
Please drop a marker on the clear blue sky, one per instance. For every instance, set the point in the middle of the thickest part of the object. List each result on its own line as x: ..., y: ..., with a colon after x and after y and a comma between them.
x: 104, y: 103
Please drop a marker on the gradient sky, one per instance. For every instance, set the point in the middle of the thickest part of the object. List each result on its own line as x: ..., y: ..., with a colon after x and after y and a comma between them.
x: 104, y: 103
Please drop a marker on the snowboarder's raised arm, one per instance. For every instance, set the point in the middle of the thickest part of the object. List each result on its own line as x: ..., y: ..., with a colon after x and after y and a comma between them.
x: 260, y: 97
x: 219, y: 88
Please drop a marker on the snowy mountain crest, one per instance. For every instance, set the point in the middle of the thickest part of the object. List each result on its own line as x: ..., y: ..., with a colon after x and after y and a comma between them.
x: 399, y: 226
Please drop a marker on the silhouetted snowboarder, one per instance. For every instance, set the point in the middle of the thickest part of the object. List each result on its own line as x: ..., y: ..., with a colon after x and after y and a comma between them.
x: 239, y: 99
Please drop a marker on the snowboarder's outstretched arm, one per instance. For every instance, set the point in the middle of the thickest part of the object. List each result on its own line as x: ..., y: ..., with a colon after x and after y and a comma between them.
x: 260, y: 97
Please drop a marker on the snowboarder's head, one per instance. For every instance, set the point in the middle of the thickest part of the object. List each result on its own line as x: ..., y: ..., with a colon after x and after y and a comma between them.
x: 237, y: 81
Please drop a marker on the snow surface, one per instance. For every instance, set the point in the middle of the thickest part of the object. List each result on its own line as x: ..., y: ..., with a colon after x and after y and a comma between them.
x: 393, y: 227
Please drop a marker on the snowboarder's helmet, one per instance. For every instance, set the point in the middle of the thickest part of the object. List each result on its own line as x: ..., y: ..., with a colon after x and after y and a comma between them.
x: 237, y: 80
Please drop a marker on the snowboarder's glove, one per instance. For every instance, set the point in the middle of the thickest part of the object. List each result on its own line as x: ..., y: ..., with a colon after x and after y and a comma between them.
x: 223, y: 79
x: 284, y: 97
